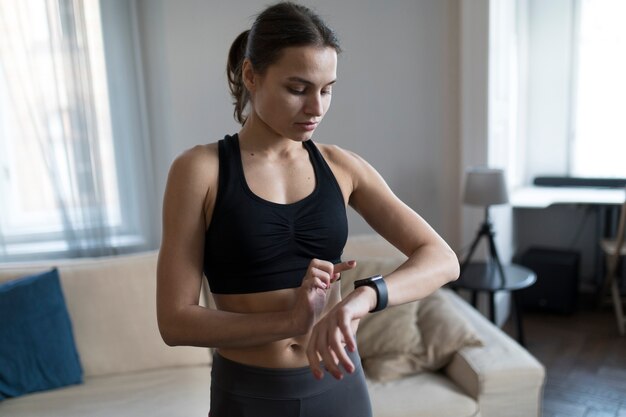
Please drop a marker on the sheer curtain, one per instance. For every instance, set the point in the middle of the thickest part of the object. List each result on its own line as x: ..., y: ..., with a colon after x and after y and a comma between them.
x: 61, y: 192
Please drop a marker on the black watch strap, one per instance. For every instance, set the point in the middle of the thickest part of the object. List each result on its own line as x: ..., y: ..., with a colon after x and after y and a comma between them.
x: 378, y: 284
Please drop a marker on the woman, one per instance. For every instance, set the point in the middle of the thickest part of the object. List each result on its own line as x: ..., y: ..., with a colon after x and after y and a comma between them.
x: 263, y: 214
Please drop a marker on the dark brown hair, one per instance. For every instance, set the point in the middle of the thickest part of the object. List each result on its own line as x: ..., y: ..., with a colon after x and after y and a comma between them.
x: 278, y: 27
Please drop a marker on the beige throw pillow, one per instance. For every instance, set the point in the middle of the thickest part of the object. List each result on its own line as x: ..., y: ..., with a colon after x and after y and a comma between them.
x: 444, y: 331
x: 396, y: 345
x: 410, y: 338
x: 389, y: 341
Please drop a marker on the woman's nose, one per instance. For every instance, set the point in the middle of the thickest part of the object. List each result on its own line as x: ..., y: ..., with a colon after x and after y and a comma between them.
x: 314, y: 105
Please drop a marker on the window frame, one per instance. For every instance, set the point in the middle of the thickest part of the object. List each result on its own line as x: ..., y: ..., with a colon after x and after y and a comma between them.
x: 131, y: 150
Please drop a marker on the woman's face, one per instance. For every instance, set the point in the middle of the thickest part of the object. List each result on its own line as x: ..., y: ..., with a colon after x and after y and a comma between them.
x: 293, y: 95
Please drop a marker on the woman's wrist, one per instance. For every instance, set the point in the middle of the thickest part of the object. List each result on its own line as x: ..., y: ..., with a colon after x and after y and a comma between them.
x: 369, y: 297
x: 377, y: 282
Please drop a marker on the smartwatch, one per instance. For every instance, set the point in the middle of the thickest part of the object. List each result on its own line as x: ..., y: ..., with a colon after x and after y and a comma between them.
x: 378, y: 283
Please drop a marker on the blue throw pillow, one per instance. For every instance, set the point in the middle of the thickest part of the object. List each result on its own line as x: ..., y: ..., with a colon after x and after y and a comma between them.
x: 37, y: 350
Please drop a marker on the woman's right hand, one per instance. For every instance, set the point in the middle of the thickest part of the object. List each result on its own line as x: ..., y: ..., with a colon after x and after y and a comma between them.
x: 312, y: 296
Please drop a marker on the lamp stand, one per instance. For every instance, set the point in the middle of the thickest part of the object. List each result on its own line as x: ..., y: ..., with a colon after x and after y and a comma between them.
x: 486, y: 230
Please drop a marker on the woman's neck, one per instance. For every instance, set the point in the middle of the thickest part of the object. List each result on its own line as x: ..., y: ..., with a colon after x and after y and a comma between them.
x: 257, y: 137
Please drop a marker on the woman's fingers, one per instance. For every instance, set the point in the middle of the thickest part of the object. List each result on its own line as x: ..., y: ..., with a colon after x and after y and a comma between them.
x: 339, y: 354
x: 318, y: 283
x: 324, y: 269
x: 348, y: 336
x: 344, y: 266
x: 327, y: 343
x: 314, y: 362
x: 319, y: 348
x: 321, y: 275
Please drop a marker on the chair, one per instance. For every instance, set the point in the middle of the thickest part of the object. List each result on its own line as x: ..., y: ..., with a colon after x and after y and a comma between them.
x: 613, y: 249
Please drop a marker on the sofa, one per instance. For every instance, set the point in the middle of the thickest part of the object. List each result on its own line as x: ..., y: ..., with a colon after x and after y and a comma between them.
x: 129, y: 371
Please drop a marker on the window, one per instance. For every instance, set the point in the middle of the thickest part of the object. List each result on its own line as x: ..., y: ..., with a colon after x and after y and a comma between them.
x: 599, y: 138
x: 572, y: 63
x: 67, y: 150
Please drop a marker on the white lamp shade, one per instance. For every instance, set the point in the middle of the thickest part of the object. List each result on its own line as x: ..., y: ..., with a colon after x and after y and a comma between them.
x: 485, y: 187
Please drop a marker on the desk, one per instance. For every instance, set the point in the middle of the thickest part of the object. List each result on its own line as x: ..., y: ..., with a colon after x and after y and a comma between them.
x: 604, y: 201
x: 542, y: 197
x: 484, y: 277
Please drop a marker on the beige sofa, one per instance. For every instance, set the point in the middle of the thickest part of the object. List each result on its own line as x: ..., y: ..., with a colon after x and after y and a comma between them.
x: 129, y: 371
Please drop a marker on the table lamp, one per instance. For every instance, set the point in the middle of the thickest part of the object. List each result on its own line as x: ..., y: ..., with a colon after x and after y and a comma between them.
x: 485, y: 187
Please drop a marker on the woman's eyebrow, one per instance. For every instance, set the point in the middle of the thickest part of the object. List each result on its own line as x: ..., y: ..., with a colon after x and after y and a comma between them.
x: 307, y: 82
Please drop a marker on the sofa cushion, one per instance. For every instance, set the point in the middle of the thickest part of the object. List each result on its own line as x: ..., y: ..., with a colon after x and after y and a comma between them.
x: 173, y: 392
x: 37, y: 350
x: 112, y: 303
x: 426, y: 394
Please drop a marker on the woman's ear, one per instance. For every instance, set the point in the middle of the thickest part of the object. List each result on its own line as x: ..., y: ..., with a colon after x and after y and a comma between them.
x: 248, y: 75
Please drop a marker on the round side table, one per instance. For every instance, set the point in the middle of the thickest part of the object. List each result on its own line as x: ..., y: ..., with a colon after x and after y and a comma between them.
x: 485, y: 277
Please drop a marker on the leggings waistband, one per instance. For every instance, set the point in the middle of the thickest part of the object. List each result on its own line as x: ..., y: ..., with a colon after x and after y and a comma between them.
x: 235, y: 377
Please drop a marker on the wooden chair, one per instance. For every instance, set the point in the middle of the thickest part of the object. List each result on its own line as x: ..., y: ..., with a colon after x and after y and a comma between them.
x: 613, y: 249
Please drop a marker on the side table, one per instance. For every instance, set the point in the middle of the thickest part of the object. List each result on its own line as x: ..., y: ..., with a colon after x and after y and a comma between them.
x: 485, y: 277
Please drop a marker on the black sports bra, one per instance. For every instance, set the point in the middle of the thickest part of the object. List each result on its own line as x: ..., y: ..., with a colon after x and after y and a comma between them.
x: 254, y: 245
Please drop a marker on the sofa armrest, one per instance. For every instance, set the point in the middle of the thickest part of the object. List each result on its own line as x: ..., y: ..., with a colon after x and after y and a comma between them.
x: 503, y: 377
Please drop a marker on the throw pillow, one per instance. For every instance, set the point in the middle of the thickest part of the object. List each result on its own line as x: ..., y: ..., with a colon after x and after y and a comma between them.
x: 389, y: 342
x: 37, y: 350
x: 409, y: 338
x: 444, y: 331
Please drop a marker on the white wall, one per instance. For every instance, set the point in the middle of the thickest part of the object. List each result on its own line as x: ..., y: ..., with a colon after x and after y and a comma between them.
x: 395, y: 103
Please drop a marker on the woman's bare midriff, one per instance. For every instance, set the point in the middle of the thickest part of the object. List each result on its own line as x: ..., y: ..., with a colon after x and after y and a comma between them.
x: 285, y: 353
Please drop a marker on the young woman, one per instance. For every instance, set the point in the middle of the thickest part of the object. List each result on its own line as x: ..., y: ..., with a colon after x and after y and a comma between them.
x: 262, y: 214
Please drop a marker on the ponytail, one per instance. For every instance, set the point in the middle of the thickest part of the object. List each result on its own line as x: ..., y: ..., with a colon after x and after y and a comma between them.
x: 234, y: 66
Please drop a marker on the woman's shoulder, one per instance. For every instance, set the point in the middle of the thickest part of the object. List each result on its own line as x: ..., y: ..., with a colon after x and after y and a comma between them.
x: 197, y: 156
x: 338, y: 155
x: 198, y: 164
x: 350, y: 165
x: 342, y: 158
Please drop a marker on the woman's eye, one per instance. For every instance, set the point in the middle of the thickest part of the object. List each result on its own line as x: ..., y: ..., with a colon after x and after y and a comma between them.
x: 303, y: 91
x: 295, y: 91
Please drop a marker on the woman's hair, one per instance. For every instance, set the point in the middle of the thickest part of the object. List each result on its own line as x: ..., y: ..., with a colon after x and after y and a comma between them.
x: 278, y: 27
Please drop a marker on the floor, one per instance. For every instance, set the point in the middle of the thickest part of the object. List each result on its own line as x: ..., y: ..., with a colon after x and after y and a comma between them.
x: 585, y: 360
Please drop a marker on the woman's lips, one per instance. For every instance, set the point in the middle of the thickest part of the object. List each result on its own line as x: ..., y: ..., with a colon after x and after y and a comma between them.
x: 308, y: 125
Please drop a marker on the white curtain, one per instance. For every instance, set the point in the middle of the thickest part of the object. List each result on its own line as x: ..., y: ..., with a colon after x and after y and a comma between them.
x: 60, y: 187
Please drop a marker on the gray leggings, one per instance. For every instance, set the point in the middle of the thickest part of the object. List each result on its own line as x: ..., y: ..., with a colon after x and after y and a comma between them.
x: 239, y: 390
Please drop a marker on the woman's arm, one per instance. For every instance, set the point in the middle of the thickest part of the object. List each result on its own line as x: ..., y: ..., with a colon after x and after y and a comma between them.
x: 430, y: 264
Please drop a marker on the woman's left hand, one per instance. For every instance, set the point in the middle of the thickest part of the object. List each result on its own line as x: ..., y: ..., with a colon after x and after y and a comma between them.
x: 334, y: 330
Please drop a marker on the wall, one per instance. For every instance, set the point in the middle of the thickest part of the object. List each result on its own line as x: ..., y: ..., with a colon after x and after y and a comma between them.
x: 395, y: 103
